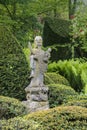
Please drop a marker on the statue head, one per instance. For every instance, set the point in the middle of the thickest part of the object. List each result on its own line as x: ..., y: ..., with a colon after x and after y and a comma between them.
x: 38, y: 41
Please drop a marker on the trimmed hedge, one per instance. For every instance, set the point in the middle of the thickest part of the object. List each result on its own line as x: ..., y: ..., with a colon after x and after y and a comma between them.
x: 61, y: 118
x: 14, y: 71
x: 77, y: 100
x: 59, y: 93
x: 56, y: 33
x: 10, y: 107
x: 54, y: 78
x: 82, y: 103
x: 18, y: 123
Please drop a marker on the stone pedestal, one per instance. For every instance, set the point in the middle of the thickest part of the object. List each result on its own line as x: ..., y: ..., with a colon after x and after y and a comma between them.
x: 37, y: 98
x: 33, y: 106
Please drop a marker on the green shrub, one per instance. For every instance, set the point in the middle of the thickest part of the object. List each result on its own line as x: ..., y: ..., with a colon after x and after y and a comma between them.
x: 10, y: 107
x: 58, y: 118
x: 74, y: 71
x: 56, y: 34
x: 54, y: 78
x: 14, y: 71
x: 18, y: 123
x: 77, y: 100
x: 58, y: 94
x: 61, y: 118
x: 82, y: 103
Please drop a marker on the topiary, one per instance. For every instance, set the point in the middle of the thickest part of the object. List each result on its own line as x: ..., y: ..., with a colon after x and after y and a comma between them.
x: 13, y: 66
x: 82, y: 103
x: 10, y: 107
x: 18, y: 123
x: 56, y: 34
x: 59, y: 93
x: 56, y: 31
x: 77, y: 100
x: 54, y: 78
x: 61, y: 118
x: 58, y: 118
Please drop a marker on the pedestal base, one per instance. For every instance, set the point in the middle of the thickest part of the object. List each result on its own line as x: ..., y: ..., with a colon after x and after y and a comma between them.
x: 37, y: 98
x: 33, y: 106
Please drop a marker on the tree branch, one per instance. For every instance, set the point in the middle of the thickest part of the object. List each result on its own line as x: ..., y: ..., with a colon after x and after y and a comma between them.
x: 8, y: 10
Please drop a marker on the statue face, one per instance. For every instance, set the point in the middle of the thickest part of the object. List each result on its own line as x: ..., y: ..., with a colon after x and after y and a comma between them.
x: 38, y: 41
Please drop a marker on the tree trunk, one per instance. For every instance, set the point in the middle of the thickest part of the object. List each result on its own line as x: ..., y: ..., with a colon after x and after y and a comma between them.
x: 72, y: 8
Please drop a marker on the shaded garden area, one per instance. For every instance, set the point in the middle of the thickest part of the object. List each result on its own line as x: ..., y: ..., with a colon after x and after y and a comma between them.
x: 63, y: 27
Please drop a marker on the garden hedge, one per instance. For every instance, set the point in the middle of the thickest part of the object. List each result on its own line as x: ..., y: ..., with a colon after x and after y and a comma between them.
x: 59, y: 93
x: 14, y: 71
x: 61, y: 118
x: 54, y: 78
x: 10, y: 107
x: 56, y: 34
x: 77, y: 100
x: 18, y: 123
x: 58, y: 118
x: 55, y: 31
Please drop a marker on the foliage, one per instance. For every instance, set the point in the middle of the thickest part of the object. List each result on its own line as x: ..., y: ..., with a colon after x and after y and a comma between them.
x: 10, y: 107
x: 66, y: 118
x: 14, y: 71
x: 54, y: 78
x: 77, y: 100
x: 56, y: 35
x: 27, y: 54
x: 18, y: 16
x: 59, y: 93
x: 82, y: 103
x: 50, y: 7
x: 18, y: 123
x: 79, y: 32
x: 74, y: 71
x: 56, y: 27
x: 71, y: 117
x: 25, y: 18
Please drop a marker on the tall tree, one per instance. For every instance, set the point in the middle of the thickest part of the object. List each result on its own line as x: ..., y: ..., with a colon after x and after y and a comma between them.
x: 25, y: 18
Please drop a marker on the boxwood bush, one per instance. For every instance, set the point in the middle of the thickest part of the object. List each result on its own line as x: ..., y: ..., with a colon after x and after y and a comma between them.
x: 14, y: 71
x: 56, y: 34
x: 10, y: 107
x: 54, y: 78
x: 82, y: 103
x: 61, y: 118
x: 77, y: 100
x: 59, y: 93
x: 58, y: 118
x: 18, y: 123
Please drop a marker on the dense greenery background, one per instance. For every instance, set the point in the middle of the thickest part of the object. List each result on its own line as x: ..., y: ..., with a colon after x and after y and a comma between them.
x: 14, y: 71
x: 63, y: 26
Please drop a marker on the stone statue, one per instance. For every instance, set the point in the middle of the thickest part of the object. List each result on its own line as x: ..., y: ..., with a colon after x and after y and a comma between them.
x: 38, y: 62
x: 37, y: 92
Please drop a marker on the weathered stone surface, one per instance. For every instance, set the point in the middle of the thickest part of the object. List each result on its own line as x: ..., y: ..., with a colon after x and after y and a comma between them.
x: 37, y: 94
x: 43, y: 89
x: 38, y: 62
x: 36, y: 91
x: 33, y: 106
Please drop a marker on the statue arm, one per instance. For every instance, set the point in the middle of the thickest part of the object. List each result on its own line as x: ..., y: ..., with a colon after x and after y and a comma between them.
x: 47, y: 55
